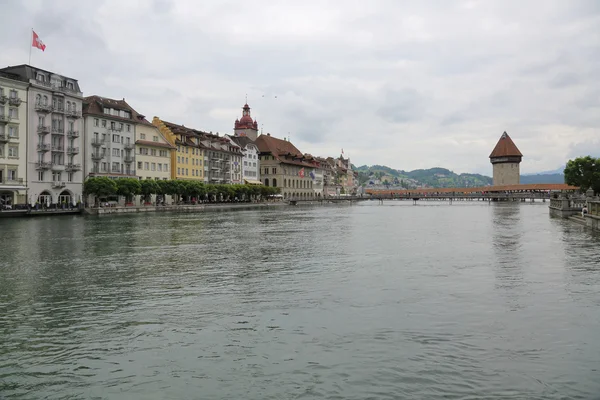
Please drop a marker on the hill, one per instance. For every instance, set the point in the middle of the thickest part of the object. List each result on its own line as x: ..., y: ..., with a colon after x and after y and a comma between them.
x: 543, y: 178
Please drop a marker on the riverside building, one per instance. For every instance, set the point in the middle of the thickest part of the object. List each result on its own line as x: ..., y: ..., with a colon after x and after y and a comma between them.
x: 53, y: 117
x: 13, y: 140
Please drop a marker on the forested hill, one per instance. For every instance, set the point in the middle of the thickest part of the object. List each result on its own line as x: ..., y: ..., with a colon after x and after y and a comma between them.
x: 437, y: 177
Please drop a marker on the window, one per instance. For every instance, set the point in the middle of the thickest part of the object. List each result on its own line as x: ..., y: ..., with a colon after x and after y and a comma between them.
x: 267, y: 172
x: 40, y: 77
x: 155, y: 138
x: 112, y: 125
x: 13, y: 131
x: 267, y: 182
x: 70, y: 85
x: 12, y: 174
x: 193, y: 172
x: 41, y: 176
x: 116, y: 139
x: 128, y: 128
x: 104, y: 167
x: 13, y: 113
x: 166, y: 167
x: 153, y: 167
x: 163, y: 153
x: 116, y: 152
x: 186, y: 150
x: 186, y: 160
x: 106, y: 110
x: 153, y: 152
x: 147, y: 166
x: 274, y: 171
x: 186, y: 171
x: 13, y: 151
x: 140, y: 165
x: 142, y: 136
x: 70, y: 177
x: 274, y: 182
x: 115, y: 167
x: 178, y: 171
x: 45, y: 100
x: 159, y: 167
x: 96, y: 122
x: 121, y: 126
x: 104, y: 123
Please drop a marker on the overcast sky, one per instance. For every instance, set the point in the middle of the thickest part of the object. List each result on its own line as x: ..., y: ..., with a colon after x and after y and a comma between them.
x: 410, y: 85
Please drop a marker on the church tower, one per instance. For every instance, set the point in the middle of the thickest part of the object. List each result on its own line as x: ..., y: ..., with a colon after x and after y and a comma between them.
x: 506, y: 158
x: 246, y: 126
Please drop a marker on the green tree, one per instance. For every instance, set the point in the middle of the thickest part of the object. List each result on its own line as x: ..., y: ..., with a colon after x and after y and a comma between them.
x: 583, y: 172
x: 99, y: 187
x: 128, y: 187
x: 149, y: 187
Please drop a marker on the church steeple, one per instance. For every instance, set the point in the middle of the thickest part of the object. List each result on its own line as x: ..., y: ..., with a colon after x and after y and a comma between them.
x: 246, y: 126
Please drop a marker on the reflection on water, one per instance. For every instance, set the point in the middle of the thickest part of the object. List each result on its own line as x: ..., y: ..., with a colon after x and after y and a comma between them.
x: 470, y: 300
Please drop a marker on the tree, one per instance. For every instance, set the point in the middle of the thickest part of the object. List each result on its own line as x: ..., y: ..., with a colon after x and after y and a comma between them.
x: 99, y: 187
x: 583, y: 172
x: 149, y: 187
x: 128, y: 187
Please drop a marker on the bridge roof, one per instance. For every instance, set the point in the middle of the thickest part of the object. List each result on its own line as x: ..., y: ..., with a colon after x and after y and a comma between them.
x: 504, y: 188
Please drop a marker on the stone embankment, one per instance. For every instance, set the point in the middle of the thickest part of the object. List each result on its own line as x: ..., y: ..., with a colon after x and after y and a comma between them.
x: 571, y: 207
x: 186, y: 208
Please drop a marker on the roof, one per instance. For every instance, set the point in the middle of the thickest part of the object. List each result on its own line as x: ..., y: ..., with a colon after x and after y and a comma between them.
x: 26, y: 72
x: 270, y: 144
x: 151, y: 143
x: 242, y: 141
x: 94, y: 105
x: 503, y: 188
x: 505, y: 148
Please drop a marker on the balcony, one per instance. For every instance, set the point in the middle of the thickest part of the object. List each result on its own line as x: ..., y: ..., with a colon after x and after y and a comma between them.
x: 43, y: 147
x: 8, y: 181
x: 129, y: 172
x: 115, y: 170
x: 43, y: 129
x: 65, y: 89
x: 57, y: 109
x: 58, y: 131
x: 73, y: 167
x: 42, y: 165
x: 15, y: 101
x: 39, y: 107
x: 5, y: 118
x: 114, y: 128
x: 73, y: 114
x: 98, y: 142
x: 73, y: 134
x: 57, y: 166
x: 129, y: 146
x: 57, y: 184
x: 98, y: 156
x: 128, y: 159
x: 3, y: 99
x: 57, y: 149
x: 72, y: 150
x: 3, y: 137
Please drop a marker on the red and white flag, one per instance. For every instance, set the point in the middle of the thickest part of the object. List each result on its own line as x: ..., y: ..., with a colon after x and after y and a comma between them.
x: 301, y: 173
x: 37, y: 42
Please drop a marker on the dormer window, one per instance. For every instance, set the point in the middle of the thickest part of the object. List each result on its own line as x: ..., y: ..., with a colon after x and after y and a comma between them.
x: 41, y: 77
x: 70, y: 85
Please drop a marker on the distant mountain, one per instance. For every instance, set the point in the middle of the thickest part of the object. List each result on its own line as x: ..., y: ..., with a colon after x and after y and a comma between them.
x: 553, y: 172
x: 542, y: 178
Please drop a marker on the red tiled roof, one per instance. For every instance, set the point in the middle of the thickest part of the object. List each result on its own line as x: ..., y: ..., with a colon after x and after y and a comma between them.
x: 505, y: 148
x: 94, y: 105
x: 270, y: 144
x: 158, y: 144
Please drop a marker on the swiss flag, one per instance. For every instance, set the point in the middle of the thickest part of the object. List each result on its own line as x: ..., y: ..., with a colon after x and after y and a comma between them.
x: 37, y: 42
x: 301, y: 173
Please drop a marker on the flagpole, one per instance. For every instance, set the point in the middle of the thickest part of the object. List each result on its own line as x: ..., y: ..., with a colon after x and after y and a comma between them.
x: 30, y: 46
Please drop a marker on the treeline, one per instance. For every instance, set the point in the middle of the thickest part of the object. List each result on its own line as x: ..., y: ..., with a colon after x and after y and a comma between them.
x: 130, y: 187
x: 584, y: 172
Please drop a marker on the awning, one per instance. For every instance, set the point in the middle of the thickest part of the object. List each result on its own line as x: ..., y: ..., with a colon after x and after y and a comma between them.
x: 252, y: 182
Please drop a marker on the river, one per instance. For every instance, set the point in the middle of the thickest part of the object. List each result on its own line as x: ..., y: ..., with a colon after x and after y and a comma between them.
x: 369, y: 301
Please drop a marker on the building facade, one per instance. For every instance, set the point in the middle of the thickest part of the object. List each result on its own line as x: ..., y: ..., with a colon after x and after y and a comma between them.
x: 250, y: 161
x: 284, y: 166
x: 506, y: 159
x: 13, y: 141
x: 54, y: 103
x: 109, y: 137
x: 189, y: 159
x: 153, y: 153
x: 246, y: 126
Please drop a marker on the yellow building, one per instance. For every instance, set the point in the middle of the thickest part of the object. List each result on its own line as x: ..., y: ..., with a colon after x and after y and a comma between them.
x: 153, y: 153
x: 188, y: 160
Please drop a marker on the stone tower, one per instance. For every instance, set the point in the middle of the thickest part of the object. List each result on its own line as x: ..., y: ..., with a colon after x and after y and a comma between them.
x: 246, y: 126
x: 506, y: 158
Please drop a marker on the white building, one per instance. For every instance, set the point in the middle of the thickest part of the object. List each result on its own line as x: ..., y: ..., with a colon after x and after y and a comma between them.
x: 53, y: 141
x: 250, y: 160
x: 13, y: 140
x: 109, y: 137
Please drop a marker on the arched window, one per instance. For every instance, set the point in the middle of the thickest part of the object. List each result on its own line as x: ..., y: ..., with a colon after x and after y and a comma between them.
x: 38, y: 99
x: 266, y: 181
x: 285, y: 183
x: 74, y: 105
x: 274, y: 182
x: 68, y: 106
x: 45, y: 100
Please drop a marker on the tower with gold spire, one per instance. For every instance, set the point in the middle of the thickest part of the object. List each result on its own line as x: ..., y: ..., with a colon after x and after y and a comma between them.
x: 506, y: 158
x: 246, y: 126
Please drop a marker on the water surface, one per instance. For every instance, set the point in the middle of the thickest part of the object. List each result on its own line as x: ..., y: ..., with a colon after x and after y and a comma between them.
x: 468, y: 301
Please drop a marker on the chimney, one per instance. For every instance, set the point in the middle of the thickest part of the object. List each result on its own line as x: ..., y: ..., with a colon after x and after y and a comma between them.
x: 268, y: 134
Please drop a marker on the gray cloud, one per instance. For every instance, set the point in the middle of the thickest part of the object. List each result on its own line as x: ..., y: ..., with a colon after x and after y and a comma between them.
x: 411, y: 85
